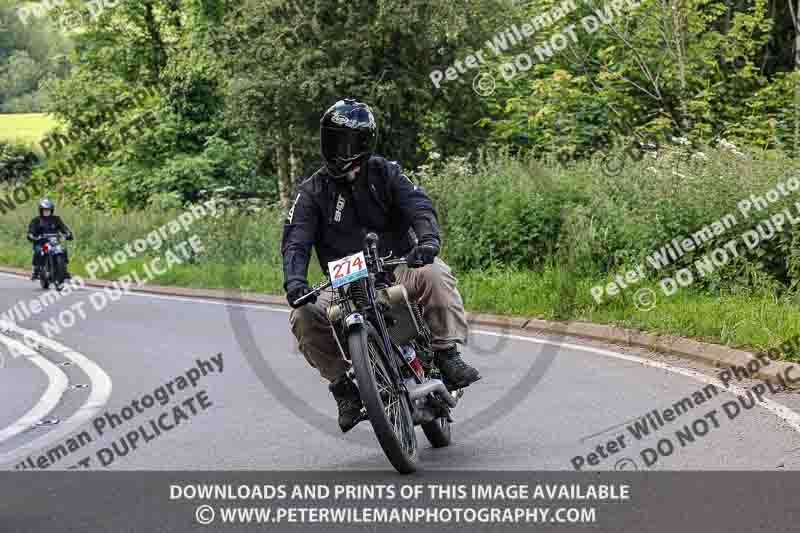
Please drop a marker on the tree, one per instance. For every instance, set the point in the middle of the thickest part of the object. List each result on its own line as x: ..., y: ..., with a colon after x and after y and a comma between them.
x: 300, y: 57
x: 29, y: 54
x: 678, y: 67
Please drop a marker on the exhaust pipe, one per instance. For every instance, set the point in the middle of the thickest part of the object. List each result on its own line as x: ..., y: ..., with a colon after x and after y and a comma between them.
x: 433, y: 385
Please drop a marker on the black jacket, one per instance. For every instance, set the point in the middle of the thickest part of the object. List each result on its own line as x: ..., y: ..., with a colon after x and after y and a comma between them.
x: 51, y: 224
x: 334, y: 218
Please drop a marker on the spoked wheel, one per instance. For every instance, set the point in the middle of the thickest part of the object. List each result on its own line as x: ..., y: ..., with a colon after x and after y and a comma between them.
x: 438, y: 432
x: 387, y: 405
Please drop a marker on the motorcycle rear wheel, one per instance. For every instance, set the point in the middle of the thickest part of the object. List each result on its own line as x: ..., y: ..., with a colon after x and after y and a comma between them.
x: 391, y: 419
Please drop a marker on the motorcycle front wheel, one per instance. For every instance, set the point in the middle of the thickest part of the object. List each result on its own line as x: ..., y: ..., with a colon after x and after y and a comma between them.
x: 59, y: 271
x: 387, y: 404
x: 44, y: 274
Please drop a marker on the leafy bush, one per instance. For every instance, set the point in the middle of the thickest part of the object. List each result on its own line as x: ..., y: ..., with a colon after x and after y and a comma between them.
x: 498, y: 211
x: 16, y: 162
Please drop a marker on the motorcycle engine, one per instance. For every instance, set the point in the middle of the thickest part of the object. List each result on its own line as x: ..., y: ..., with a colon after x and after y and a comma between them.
x: 401, y: 321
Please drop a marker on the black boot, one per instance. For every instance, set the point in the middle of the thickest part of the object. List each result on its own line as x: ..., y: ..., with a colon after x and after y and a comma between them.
x: 35, y: 274
x: 457, y: 374
x: 348, y: 401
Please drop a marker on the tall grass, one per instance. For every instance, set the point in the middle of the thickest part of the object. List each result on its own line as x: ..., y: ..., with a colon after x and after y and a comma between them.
x: 523, y: 212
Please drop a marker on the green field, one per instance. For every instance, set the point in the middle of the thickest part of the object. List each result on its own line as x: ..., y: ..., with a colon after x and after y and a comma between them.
x: 26, y: 128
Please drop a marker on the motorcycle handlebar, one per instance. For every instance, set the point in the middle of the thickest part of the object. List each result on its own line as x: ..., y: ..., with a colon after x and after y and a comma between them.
x: 314, y: 291
x: 318, y: 289
x: 48, y: 235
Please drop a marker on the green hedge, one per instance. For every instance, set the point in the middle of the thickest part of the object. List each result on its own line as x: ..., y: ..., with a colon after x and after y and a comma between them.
x: 523, y: 212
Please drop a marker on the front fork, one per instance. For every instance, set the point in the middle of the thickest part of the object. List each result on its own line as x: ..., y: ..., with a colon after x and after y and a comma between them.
x: 357, y: 320
x: 47, y: 267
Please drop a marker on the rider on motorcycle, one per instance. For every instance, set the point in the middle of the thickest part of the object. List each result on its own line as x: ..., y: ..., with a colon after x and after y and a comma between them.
x: 46, y: 222
x: 356, y: 192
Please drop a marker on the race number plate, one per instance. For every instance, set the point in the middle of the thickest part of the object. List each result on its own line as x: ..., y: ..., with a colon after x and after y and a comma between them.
x: 347, y: 269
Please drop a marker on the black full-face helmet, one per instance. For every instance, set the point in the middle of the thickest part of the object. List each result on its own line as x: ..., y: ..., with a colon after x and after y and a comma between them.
x: 348, y: 134
x: 47, y: 204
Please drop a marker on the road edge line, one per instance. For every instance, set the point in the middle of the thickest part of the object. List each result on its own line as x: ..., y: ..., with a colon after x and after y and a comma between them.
x: 715, y: 355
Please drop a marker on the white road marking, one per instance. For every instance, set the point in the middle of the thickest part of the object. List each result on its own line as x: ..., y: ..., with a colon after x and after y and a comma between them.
x: 98, y: 397
x: 57, y: 384
x: 781, y: 411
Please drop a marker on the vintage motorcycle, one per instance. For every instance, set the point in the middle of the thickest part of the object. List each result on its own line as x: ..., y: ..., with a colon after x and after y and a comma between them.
x: 55, y: 265
x: 382, y: 333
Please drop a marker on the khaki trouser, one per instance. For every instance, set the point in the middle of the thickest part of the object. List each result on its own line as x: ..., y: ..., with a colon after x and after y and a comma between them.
x: 433, y: 285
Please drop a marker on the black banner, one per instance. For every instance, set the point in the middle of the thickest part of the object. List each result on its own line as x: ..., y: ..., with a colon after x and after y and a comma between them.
x: 636, y: 502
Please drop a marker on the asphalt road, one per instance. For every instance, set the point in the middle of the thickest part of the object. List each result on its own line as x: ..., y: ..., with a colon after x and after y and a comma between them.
x: 542, y: 403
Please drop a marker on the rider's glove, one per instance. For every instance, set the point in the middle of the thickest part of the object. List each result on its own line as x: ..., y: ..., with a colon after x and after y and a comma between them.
x: 421, y: 255
x: 298, y: 291
x: 68, y: 236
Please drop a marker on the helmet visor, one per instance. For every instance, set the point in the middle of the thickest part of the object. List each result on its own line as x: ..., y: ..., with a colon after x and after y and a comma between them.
x: 341, y: 146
